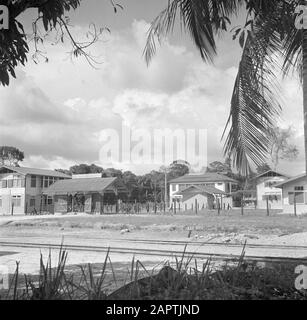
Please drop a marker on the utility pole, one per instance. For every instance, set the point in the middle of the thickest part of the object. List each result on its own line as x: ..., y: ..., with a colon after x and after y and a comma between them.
x: 165, y: 186
x: 165, y: 170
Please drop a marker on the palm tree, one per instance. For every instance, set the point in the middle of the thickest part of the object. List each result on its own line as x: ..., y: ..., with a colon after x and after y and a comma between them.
x: 270, y: 43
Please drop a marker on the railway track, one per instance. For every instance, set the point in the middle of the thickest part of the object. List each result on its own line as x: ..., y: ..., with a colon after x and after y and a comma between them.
x: 202, y: 243
x: 156, y: 252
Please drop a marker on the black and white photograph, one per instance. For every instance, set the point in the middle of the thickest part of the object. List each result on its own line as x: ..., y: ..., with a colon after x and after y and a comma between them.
x: 153, y: 150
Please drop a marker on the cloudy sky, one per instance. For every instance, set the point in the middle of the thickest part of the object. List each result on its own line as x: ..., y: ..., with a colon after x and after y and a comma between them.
x: 55, y: 112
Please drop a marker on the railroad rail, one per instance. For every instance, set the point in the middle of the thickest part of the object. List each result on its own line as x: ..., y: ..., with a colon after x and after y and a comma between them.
x: 157, y: 252
x: 202, y: 243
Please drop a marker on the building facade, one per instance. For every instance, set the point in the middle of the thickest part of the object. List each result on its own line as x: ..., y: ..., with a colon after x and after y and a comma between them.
x: 294, y: 195
x: 199, y: 198
x: 88, y: 193
x: 267, y: 192
x: 22, y: 189
x: 222, y: 185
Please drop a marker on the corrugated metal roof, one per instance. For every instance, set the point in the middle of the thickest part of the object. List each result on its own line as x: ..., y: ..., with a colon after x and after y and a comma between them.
x: 205, y: 177
x: 37, y: 172
x: 201, y: 189
x: 80, y: 185
x: 290, y: 180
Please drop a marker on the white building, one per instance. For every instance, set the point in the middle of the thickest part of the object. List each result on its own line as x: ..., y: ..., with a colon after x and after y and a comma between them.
x: 294, y: 197
x: 21, y: 189
x: 212, y: 184
x: 267, y: 191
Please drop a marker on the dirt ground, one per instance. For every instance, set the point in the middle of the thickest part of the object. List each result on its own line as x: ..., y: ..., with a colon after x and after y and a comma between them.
x: 253, y: 221
x: 116, y: 230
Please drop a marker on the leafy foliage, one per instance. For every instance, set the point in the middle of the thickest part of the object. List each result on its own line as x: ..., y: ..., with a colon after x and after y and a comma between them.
x: 53, y: 16
x: 10, y: 156
x: 281, y: 147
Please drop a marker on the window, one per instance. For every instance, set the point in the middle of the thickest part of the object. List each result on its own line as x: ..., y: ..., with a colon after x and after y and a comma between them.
x: 48, y: 181
x: 16, y: 201
x: 4, y: 184
x: 32, y: 202
x: 299, y: 197
x: 33, y: 181
x: 299, y: 188
x: 0, y: 201
x: 10, y: 183
x: 48, y: 200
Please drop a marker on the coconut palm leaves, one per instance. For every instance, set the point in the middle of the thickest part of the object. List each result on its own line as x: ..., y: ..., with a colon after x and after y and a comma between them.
x: 203, y: 20
x: 270, y: 43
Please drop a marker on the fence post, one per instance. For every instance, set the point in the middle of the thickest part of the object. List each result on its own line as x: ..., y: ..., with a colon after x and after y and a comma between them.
x: 294, y: 202
x: 267, y: 207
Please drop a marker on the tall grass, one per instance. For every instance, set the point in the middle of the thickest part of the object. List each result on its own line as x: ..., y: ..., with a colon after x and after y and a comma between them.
x: 183, y: 278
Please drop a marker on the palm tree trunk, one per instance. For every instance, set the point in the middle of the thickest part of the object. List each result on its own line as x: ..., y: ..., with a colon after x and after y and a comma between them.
x: 304, y: 45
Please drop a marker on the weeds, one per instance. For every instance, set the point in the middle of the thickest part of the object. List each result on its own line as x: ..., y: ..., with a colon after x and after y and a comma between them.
x: 184, y: 278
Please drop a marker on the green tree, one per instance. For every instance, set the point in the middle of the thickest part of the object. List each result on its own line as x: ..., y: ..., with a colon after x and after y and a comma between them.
x: 269, y: 36
x: 178, y: 169
x: 131, y: 182
x: 281, y: 147
x: 220, y: 167
x: 111, y: 172
x: 10, y: 156
x: 52, y: 18
x: 85, y: 169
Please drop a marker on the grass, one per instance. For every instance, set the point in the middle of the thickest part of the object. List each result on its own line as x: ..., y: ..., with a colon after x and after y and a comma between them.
x: 253, y: 221
x: 180, y: 280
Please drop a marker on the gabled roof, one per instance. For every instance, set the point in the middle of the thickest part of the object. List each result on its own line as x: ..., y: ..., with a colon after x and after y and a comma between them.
x: 271, y: 171
x: 280, y: 185
x: 200, y: 189
x: 205, y: 177
x: 84, y: 185
x: 36, y: 172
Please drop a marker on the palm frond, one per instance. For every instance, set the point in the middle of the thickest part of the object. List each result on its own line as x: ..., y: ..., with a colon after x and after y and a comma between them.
x: 203, y: 20
x: 293, y: 41
x: 255, y: 104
